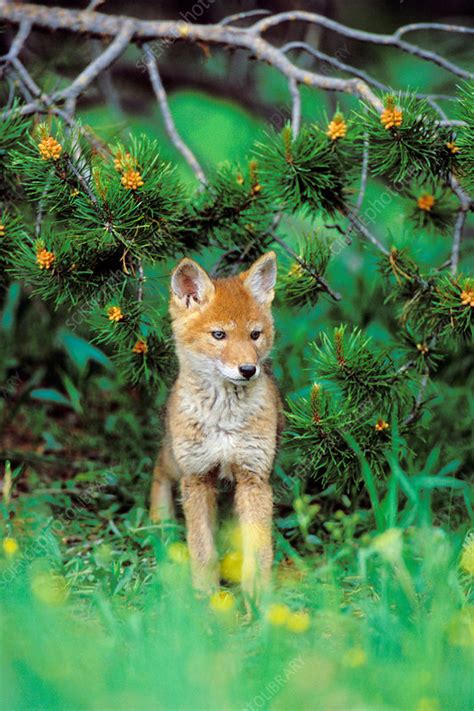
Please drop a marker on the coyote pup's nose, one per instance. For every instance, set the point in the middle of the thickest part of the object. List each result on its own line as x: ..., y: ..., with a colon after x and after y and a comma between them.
x: 247, y: 371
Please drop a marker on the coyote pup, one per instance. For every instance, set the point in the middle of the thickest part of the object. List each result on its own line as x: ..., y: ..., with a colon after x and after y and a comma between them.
x: 223, y: 414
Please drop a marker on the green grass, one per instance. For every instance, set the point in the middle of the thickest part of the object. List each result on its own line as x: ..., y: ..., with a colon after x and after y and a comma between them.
x: 98, y: 612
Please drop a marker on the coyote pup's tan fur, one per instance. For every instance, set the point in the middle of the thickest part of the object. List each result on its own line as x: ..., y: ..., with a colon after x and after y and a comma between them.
x: 223, y: 414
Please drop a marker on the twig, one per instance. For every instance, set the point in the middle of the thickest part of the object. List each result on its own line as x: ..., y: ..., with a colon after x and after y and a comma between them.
x: 17, y: 44
x: 360, y: 227
x: 457, y: 236
x: 295, y: 107
x: 83, y: 182
x: 171, y: 130
x: 141, y: 281
x: 242, y: 16
x: 415, y: 26
x: 26, y: 77
x: 465, y: 205
x: 99, y: 64
x: 321, y: 281
x: 334, y: 62
x: 419, y: 398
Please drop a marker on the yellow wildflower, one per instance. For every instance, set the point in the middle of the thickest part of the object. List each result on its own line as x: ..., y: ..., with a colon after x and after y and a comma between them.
x: 381, y: 425
x: 2, y: 230
x: 423, y: 348
x: 10, y: 546
x: 231, y: 567
x: 298, y: 622
x: 222, y: 601
x: 278, y: 614
x: 337, y: 128
x: 355, y: 657
x: 389, y: 544
x: 50, y: 588
x: 467, y: 297
x: 44, y: 259
x: 425, y: 202
x: 467, y: 556
x: 460, y: 629
x: 427, y: 703
x: 178, y: 552
x: 49, y: 148
x: 132, y: 180
x: 140, y: 347
x: 114, y: 313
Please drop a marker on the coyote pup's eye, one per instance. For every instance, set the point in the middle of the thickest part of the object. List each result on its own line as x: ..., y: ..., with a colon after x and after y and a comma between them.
x: 218, y: 335
x: 255, y: 335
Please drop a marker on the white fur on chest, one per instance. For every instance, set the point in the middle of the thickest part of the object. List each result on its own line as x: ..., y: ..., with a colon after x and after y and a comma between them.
x: 220, y: 415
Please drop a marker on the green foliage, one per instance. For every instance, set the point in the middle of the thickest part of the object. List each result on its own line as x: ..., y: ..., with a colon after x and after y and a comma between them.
x: 299, y: 286
x: 101, y: 226
x: 438, y: 217
x: 308, y: 172
x: 363, y: 391
x: 464, y: 135
x: 233, y: 213
x: 381, y: 613
x: 408, y: 142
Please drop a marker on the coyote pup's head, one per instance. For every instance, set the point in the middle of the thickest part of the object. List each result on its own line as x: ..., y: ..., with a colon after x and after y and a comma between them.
x: 223, y: 327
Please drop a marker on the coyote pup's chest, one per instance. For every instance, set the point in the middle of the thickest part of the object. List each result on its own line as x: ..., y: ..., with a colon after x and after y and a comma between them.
x: 220, y: 426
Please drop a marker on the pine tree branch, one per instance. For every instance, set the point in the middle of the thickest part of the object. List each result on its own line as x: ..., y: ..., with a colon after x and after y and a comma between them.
x: 170, y: 126
x: 317, y: 277
x: 465, y: 201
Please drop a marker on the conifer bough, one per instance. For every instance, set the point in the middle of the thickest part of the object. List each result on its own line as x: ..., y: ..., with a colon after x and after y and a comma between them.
x: 102, y: 211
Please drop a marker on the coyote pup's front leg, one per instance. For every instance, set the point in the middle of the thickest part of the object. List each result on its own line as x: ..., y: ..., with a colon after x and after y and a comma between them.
x: 254, y: 503
x: 199, y: 505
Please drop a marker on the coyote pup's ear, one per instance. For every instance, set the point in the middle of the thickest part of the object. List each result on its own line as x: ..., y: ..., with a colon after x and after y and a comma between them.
x: 260, y: 279
x: 190, y: 285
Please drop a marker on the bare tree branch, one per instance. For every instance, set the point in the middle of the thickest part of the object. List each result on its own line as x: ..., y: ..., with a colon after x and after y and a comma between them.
x: 99, y: 64
x: 365, y: 76
x: 295, y: 107
x: 457, y: 236
x: 242, y: 16
x: 17, y: 44
x: 98, y: 24
x: 359, y: 226
x: 416, y: 26
x: 162, y: 99
x: 393, y: 40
